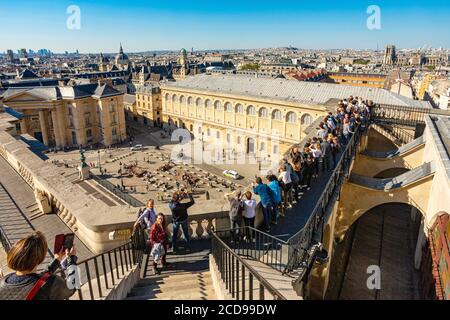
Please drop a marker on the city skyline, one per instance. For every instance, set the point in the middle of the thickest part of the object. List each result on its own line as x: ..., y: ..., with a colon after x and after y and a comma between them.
x: 143, y: 26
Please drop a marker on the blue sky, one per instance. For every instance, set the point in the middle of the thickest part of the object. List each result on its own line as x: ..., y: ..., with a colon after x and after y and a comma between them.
x: 163, y: 24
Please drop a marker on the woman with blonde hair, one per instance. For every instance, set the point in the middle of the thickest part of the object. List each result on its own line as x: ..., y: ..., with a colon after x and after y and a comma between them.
x: 26, y: 283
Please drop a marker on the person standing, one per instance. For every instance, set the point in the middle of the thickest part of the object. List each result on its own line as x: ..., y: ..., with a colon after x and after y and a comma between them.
x: 276, y: 199
x: 25, y: 283
x: 180, y: 217
x: 264, y: 193
x: 235, y: 213
x: 249, y: 214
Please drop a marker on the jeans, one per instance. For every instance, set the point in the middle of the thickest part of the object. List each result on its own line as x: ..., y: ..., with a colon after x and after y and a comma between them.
x: 274, y: 212
x: 266, y: 213
x: 176, y: 227
x: 249, y: 222
x: 235, y: 225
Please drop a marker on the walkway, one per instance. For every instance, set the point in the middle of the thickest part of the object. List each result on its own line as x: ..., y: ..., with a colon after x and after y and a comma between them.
x: 384, y: 237
x: 296, y: 217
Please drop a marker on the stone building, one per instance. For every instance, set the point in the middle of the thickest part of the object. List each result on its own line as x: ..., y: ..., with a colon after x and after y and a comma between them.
x: 67, y: 116
x: 259, y: 115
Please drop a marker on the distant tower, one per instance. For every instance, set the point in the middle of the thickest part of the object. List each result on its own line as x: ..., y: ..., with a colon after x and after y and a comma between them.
x: 10, y: 55
x: 389, y: 55
x: 183, y: 63
x: 103, y: 63
x: 142, y: 75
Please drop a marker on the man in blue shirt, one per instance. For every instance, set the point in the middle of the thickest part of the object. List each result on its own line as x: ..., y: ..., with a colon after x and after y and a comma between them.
x: 276, y: 195
x: 265, y: 195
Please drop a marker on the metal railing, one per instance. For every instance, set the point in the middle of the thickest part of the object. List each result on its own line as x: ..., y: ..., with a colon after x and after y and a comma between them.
x: 241, y: 280
x: 409, y: 116
x: 119, y: 193
x: 257, y: 245
x: 311, y: 233
x: 4, y: 240
x: 107, y: 269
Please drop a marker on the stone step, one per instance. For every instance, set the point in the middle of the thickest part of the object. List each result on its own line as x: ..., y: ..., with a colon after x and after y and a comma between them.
x: 188, y: 284
x: 176, y: 295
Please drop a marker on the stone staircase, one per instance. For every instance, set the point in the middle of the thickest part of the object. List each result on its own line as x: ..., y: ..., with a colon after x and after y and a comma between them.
x: 177, y: 286
x: 186, y: 278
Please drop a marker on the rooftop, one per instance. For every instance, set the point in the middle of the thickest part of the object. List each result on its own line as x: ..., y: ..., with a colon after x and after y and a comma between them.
x: 292, y: 91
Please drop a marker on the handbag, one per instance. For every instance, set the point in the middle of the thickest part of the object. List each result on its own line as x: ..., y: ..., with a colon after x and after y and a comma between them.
x: 37, y: 286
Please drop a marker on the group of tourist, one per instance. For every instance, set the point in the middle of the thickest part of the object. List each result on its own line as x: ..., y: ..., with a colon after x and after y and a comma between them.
x: 319, y: 155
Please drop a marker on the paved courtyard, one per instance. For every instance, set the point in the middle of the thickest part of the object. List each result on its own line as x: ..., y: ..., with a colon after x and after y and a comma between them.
x: 155, y: 173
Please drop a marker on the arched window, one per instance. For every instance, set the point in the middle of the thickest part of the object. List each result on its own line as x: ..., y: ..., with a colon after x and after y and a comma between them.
x: 228, y: 107
x: 218, y: 134
x: 182, y: 100
x: 263, y: 113
x: 239, y: 108
x: 208, y: 132
x: 200, y: 130
x: 251, y: 111
x: 276, y: 114
x: 190, y: 101
x: 218, y: 105
x: 291, y: 117
x: 167, y: 97
x: 198, y: 102
x: 306, y: 119
x: 208, y: 103
x: 174, y: 98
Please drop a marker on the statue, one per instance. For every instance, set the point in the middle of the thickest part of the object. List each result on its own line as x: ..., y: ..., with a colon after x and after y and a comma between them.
x: 83, y: 168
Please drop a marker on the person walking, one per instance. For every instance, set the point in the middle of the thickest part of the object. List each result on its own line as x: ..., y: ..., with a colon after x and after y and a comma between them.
x: 158, y: 242
x: 148, y: 216
x: 285, y: 178
x: 325, y: 148
x: 264, y: 193
x: 180, y: 217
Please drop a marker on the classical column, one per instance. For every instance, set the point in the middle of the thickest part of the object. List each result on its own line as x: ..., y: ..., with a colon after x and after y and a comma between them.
x: 23, y: 126
x: 56, y: 129
x: 44, y: 130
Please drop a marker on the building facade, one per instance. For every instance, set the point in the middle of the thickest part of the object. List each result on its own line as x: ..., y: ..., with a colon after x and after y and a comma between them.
x: 358, y: 79
x: 148, y: 105
x: 256, y: 125
x: 70, y: 116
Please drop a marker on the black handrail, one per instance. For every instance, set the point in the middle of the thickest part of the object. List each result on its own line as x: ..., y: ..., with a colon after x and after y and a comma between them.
x: 4, y: 240
x: 105, y: 277
x: 235, y: 272
x: 257, y: 245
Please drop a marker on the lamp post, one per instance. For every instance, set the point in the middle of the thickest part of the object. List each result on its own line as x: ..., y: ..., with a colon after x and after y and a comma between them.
x: 203, y: 144
x: 99, y: 163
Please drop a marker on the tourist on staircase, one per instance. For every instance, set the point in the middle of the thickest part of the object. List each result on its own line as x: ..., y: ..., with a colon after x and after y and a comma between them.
x: 180, y: 217
x: 158, y: 242
x: 235, y: 214
x: 264, y: 193
x: 25, y: 283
